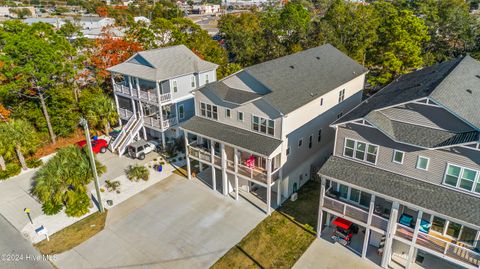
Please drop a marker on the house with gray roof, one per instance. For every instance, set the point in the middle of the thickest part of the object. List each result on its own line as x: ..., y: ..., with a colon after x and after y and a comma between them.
x: 258, y: 132
x: 153, y: 93
x: 405, y: 169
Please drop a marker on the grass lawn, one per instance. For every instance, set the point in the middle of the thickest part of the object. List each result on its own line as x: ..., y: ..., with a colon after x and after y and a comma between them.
x: 280, y: 239
x: 73, y: 235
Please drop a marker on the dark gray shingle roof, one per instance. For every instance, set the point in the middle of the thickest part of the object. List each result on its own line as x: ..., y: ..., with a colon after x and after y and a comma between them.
x: 419, y: 135
x: 453, y: 84
x: 232, y: 135
x: 229, y: 94
x: 433, y: 197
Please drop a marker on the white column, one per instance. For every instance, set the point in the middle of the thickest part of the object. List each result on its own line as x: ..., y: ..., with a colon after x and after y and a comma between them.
x: 141, y: 115
x: 224, y: 169
x: 187, y: 155
x: 279, y: 190
x: 118, y: 109
x: 369, y: 222
x: 411, y: 251
x: 134, y: 107
x: 392, y: 225
x: 212, y: 154
x: 235, y: 161
x: 320, y: 206
x: 130, y: 84
x: 138, y: 87
x: 269, y: 186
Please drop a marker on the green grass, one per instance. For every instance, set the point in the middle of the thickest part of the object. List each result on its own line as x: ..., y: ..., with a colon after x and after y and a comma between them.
x: 73, y: 235
x: 280, y: 239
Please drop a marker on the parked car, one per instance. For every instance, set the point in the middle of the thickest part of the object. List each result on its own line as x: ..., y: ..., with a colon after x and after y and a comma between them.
x: 98, y: 145
x: 158, y: 145
x: 140, y: 148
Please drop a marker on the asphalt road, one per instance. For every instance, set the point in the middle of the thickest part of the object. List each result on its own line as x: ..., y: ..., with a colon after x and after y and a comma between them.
x: 17, y: 252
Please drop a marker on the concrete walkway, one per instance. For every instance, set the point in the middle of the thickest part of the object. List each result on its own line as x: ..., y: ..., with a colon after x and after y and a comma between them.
x: 325, y: 255
x: 176, y: 223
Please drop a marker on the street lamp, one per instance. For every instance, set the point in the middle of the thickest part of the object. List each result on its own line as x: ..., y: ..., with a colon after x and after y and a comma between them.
x: 84, y: 123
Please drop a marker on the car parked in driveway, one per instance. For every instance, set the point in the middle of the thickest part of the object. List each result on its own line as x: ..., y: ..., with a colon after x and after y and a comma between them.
x: 140, y: 148
x: 98, y: 145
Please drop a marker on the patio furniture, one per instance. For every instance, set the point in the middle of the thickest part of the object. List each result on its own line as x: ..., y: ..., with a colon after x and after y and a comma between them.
x: 425, y: 226
x: 406, y: 220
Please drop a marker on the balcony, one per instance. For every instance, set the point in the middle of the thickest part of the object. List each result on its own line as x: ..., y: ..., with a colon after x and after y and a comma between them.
x: 121, y: 89
x: 199, y: 152
x: 124, y: 113
x: 151, y: 121
x: 440, y: 246
x: 145, y: 94
x: 346, y: 209
x: 148, y: 96
x: 167, y: 123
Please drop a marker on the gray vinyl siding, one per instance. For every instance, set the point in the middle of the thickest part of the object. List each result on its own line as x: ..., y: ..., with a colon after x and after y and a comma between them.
x: 438, y: 158
x: 189, y: 108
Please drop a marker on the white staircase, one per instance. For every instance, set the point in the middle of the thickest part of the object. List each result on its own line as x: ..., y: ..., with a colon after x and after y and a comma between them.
x: 127, y: 134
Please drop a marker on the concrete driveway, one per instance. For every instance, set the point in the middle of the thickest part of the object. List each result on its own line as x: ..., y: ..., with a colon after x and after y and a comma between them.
x: 176, y: 223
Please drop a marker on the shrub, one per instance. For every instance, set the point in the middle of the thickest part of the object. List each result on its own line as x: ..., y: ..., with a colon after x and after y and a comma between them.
x: 112, y: 185
x: 77, y: 204
x: 34, y: 163
x: 11, y: 170
x: 137, y: 172
x: 50, y: 208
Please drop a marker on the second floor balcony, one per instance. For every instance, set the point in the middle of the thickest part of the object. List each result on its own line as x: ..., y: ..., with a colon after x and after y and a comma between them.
x: 145, y: 94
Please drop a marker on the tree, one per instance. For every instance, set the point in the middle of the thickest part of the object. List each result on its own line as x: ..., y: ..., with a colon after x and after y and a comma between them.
x: 21, y: 12
x: 34, y: 60
x: 98, y: 109
x: 20, y: 136
x: 62, y: 182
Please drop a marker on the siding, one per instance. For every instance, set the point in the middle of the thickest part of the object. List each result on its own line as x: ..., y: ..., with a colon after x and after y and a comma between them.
x: 438, y: 158
x: 189, y: 108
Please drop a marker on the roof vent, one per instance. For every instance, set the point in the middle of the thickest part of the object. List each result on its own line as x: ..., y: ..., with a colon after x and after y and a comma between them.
x: 354, y: 72
x: 318, y: 57
x: 291, y: 66
x: 478, y: 76
x: 469, y: 91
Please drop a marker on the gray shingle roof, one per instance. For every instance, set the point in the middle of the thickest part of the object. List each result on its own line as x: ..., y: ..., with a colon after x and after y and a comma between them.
x: 433, y: 197
x: 419, y: 135
x: 292, y: 81
x: 230, y: 94
x: 446, y: 83
x: 232, y: 135
x: 162, y: 64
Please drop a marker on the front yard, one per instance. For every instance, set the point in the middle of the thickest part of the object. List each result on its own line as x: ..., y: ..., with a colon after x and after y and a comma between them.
x: 281, y: 239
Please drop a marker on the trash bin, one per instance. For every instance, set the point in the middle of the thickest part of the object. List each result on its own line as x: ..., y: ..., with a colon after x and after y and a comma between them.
x: 159, y: 168
x: 95, y: 138
x: 109, y: 202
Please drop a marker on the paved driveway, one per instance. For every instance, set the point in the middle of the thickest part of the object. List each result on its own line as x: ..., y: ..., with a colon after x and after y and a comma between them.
x: 176, y: 223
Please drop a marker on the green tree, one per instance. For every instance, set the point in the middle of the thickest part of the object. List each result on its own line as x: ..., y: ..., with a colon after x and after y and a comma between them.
x: 62, y: 182
x: 18, y: 136
x: 35, y: 59
x: 21, y: 12
x: 98, y: 109
x: 295, y: 23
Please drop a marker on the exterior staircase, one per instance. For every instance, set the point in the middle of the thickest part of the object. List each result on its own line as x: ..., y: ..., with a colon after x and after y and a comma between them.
x: 127, y: 134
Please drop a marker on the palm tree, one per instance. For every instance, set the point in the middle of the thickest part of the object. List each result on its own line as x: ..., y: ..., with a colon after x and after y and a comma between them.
x: 7, y: 151
x: 62, y: 182
x: 20, y: 135
x: 100, y: 111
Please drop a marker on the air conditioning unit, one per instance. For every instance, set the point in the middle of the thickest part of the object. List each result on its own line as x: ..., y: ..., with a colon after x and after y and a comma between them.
x: 294, y: 197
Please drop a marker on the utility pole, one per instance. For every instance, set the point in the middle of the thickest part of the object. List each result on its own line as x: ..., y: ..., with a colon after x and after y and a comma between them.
x: 84, y: 123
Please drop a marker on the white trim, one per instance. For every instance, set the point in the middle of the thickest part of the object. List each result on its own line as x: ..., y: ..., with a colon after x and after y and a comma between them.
x: 399, y: 151
x: 243, y: 116
x: 476, y: 180
x: 259, y: 125
x: 418, y: 161
x: 178, y: 109
x: 355, y: 150
x: 229, y: 114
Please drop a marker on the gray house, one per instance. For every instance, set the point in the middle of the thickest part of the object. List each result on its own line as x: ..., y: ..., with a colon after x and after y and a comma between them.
x: 153, y: 95
x: 406, y: 170
x: 259, y: 132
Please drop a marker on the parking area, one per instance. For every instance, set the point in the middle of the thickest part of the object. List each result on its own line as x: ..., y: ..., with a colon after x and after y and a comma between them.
x: 176, y: 223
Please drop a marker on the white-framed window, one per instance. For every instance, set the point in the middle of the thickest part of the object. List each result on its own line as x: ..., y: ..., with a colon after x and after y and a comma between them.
x: 422, y: 163
x: 453, y: 230
x: 321, y: 101
x: 354, y: 195
x: 228, y: 113
x: 319, y: 137
x: 398, y: 156
x: 181, y: 111
x: 175, y: 87
x: 209, y: 111
x: 240, y: 116
x: 206, y: 78
x: 263, y: 125
x: 462, y: 178
x: 360, y: 150
x: 341, y: 95
x: 193, y: 81
x: 300, y: 142
x: 288, y: 151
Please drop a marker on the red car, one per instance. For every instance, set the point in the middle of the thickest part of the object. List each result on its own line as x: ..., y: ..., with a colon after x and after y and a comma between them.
x: 99, y: 145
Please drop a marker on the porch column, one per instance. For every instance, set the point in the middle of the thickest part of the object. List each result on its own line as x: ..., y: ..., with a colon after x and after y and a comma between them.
x: 141, y: 115
x: 224, y: 169
x: 392, y: 225
x: 320, y: 206
x: 269, y: 186
x: 118, y: 108
x: 130, y: 84
x: 138, y: 88
x: 187, y: 155
x: 411, y: 251
x: 235, y: 161
x: 134, y: 107
x: 159, y: 101
x: 212, y: 159
x: 369, y: 222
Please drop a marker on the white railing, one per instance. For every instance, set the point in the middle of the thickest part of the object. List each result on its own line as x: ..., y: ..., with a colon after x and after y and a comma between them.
x: 333, y: 204
x: 165, y: 97
x: 199, y: 153
x: 123, y: 133
x: 252, y: 173
x: 403, y: 231
x: 230, y: 165
x: 134, y: 130
x: 124, y: 113
x: 150, y: 121
x: 169, y: 122
x: 345, y: 209
x: 379, y: 222
x: 149, y: 96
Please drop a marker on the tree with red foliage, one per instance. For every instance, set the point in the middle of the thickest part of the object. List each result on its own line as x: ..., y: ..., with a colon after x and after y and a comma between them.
x: 110, y: 50
x: 102, y: 11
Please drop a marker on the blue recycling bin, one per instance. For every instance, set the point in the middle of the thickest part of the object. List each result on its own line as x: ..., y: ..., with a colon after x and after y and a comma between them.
x: 95, y: 138
x: 159, y: 168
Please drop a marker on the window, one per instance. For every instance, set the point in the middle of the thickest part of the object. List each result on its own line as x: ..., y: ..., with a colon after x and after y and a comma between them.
x: 468, y: 235
x: 355, y: 195
x: 343, y: 191
x: 228, y: 113
x: 360, y: 151
x: 300, y: 142
x: 310, y: 139
x: 181, y: 112
x: 193, y: 81
x: 240, y: 116
x: 288, y: 151
x: 341, y: 95
x: 263, y: 125
x: 340, y: 115
x: 422, y: 163
x: 206, y: 78
x: 398, y: 156
x: 319, y: 138
x: 321, y: 101
x: 438, y: 224
x: 453, y: 229
x: 175, y: 88
x: 463, y: 178
x: 209, y: 111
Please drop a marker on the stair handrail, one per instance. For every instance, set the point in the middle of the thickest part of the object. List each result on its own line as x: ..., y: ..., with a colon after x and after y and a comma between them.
x: 123, y: 132
x: 133, y: 132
